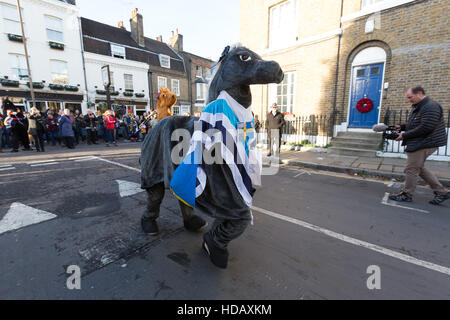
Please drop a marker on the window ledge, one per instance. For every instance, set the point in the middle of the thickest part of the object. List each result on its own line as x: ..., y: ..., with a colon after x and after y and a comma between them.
x: 56, y: 45
x: 304, y: 41
x: 375, y: 8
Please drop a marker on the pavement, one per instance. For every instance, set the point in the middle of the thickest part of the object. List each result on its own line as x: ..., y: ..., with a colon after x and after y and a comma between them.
x: 374, y: 167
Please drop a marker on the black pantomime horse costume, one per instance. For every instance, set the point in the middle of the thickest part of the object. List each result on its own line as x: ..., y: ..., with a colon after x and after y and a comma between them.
x: 221, y: 198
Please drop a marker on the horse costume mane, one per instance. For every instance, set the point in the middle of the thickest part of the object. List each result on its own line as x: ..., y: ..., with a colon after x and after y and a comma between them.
x: 223, y: 190
x: 165, y: 101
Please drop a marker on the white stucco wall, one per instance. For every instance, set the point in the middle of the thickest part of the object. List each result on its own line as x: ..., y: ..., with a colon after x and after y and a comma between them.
x: 39, y: 52
x: 119, y: 67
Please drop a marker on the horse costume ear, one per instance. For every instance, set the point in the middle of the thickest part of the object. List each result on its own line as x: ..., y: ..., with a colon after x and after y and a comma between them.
x: 224, y: 53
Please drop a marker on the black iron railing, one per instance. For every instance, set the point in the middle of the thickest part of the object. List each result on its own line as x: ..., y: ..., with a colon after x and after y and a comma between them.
x: 314, y: 130
x: 398, y: 117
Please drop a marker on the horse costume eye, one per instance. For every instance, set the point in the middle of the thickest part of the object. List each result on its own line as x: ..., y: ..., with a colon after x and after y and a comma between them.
x: 245, y: 57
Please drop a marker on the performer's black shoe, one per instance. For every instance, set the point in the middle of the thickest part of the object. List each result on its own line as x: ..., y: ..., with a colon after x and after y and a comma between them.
x: 439, y: 198
x: 401, y: 197
x: 195, y: 224
x: 218, y: 256
x: 149, y: 226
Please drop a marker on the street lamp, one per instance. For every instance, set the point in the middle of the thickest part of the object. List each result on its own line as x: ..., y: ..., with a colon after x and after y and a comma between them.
x: 106, y: 76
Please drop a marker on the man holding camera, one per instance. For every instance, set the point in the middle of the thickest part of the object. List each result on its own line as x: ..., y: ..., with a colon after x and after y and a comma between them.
x: 423, y: 134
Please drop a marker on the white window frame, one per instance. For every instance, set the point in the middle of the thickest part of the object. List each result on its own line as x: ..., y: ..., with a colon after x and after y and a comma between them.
x: 175, y: 85
x: 374, y: 8
x: 19, y: 66
x: 118, y: 51
x: 176, y: 109
x: 283, y: 30
x: 128, y: 82
x: 164, y: 61
x: 289, y: 82
x: 160, y: 81
x: 12, y: 21
x: 201, y: 91
x: 52, y: 28
x: 66, y: 74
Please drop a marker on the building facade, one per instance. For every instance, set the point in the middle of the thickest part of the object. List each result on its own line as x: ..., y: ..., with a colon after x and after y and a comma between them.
x: 335, y: 53
x: 55, y: 54
x: 139, y: 66
x: 198, y: 73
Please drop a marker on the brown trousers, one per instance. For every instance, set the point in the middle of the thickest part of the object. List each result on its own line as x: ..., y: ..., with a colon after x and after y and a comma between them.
x: 415, y: 168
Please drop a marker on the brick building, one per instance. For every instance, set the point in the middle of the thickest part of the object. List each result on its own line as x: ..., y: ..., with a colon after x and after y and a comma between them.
x: 139, y: 66
x: 198, y: 73
x: 336, y: 52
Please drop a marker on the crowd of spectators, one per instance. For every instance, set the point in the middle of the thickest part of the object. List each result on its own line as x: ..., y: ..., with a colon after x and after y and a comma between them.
x: 34, y: 130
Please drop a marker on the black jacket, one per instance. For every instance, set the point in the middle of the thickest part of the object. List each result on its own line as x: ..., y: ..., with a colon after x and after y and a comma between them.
x: 91, y: 123
x: 425, y: 127
x: 275, y: 121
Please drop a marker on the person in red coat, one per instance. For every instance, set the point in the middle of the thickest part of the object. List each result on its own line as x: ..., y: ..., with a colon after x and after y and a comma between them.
x: 110, y: 121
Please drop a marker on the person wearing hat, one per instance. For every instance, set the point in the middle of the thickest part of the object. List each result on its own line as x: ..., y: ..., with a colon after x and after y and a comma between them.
x: 274, y: 123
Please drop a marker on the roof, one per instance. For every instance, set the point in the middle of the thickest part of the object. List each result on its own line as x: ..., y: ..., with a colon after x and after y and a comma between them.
x: 97, y: 37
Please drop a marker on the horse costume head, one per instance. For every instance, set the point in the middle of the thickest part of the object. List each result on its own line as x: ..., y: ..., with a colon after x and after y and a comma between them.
x: 165, y: 101
x: 237, y: 69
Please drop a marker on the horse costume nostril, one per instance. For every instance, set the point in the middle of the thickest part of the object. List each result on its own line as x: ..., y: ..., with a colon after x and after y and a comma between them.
x: 221, y: 186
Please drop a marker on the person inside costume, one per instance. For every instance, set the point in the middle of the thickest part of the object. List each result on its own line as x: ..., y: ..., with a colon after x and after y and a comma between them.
x: 217, y: 173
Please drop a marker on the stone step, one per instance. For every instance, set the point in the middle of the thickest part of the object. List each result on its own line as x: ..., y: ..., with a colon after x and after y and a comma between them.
x: 357, y: 140
x: 356, y: 144
x: 352, y: 152
x: 359, y: 134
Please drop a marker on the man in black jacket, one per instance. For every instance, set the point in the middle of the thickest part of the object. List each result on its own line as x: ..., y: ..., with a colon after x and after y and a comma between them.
x: 423, y: 134
x: 274, y: 121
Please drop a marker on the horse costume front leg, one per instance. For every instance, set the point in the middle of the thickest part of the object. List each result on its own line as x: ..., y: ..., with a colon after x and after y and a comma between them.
x: 223, y: 190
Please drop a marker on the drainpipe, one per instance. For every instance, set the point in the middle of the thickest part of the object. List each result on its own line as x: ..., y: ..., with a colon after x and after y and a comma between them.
x: 337, y: 72
x: 84, y: 62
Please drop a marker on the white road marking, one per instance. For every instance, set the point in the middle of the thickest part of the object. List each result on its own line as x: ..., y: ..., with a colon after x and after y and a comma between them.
x: 42, y: 161
x: 127, y: 189
x: 5, y: 165
x: 20, y: 215
x: 43, y: 164
x: 367, y: 245
x: 86, y: 159
x: 5, y: 169
x: 302, y: 173
x: 118, y: 164
x: 386, y: 202
x: 81, y: 158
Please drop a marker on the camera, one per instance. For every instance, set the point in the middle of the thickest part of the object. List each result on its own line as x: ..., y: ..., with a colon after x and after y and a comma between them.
x: 389, y: 132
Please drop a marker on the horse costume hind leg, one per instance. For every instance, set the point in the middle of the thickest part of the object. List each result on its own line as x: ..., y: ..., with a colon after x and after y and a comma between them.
x: 222, y: 188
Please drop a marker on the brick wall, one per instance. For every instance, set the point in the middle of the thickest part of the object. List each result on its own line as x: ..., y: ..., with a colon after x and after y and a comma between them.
x: 415, y: 37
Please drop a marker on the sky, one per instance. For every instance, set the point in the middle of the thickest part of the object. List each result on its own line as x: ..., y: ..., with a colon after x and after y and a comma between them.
x: 207, y: 26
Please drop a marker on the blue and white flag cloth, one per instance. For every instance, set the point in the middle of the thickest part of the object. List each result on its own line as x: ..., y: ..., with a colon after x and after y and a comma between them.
x: 228, y: 127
